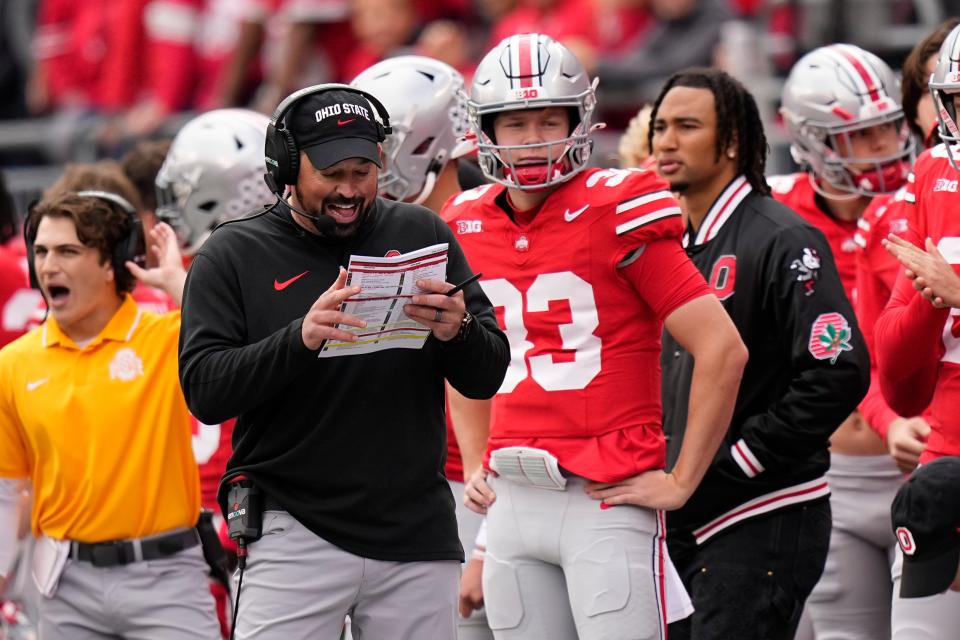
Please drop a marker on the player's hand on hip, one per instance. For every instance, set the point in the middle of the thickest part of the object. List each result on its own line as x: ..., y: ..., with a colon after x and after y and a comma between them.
x: 478, y: 496
x: 471, y: 587
x: 441, y: 313
x: 651, y: 489
x: 322, y: 319
x: 906, y: 441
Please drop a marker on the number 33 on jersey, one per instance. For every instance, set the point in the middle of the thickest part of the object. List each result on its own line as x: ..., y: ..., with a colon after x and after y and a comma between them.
x: 584, y: 339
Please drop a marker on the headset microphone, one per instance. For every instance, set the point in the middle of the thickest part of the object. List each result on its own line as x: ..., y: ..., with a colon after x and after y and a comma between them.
x: 322, y: 224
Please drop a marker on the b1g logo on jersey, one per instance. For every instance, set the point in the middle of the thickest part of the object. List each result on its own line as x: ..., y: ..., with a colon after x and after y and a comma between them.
x: 829, y: 337
x: 905, y: 540
x: 943, y: 184
x: 469, y: 226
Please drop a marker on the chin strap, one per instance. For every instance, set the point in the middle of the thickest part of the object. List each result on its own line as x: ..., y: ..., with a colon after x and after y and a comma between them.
x: 428, y: 184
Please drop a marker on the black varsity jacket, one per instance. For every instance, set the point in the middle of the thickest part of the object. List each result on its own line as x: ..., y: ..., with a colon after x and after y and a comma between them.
x: 807, y: 371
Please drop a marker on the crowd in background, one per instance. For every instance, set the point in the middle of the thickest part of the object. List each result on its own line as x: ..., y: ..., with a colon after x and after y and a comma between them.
x: 84, y: 79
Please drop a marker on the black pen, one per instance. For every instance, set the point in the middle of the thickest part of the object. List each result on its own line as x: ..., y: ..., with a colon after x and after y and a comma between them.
x: 466, y: 282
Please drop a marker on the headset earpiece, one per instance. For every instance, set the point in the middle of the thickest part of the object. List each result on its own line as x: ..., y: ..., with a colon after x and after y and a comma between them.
x: 281, y: 154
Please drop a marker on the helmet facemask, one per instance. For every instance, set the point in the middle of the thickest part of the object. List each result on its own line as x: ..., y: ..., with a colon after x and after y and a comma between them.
x: 869, y: 176
x: 529, y: 72
x: 565, y: 158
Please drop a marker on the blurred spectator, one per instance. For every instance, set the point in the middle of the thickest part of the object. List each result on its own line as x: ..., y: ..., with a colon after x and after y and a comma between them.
x: 15, y: 306
x: 634, y: 147
x: 104, y: 175
x: 15, y: 25
x: 290, y: 44
x: 684, y: 34
x: 140, y: 165
x: 384, y: 28
x: 89, y: 55
x: 917, y: 102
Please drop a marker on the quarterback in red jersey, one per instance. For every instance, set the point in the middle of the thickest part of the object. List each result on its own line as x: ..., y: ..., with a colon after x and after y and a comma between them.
x: 585, y: 268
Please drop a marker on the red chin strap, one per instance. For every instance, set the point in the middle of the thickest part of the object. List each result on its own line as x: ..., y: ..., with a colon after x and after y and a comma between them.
x: 887, y: 178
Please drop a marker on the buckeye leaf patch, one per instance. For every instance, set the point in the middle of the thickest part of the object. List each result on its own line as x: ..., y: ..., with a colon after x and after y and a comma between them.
x: 829, y: 337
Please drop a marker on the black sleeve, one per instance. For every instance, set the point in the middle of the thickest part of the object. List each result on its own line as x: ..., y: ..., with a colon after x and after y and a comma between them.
x: 222, y: 377
x: 476, y: 366
x: 828, y: 359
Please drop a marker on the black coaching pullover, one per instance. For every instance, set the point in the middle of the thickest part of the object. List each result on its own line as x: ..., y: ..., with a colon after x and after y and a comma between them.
x: 352, y: 446
x: 807, y: 371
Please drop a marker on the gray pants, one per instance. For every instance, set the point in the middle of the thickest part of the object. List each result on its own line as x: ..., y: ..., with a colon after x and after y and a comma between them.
x: 468, y: 524
x: 559, y: 567
x: 852, y: 599
x: 299, y: 586
x: 167, y: 598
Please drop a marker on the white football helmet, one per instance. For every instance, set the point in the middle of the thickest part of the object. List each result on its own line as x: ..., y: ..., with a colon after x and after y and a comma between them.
x: 213, y: 173
x: 532, y: 71
x: 830, y: 93
x: 428, y: 111
x: 944, y: 82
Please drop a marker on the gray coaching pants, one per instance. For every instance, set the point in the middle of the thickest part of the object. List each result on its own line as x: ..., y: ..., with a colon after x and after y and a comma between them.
x: 298, y: 586
x: 168, y: 598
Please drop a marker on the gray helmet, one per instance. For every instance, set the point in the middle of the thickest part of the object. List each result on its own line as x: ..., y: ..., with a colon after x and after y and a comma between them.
x: 213, y: 173
x: 428, y: 112
x: 532, y: 71
x: 836, y: 90
x: 944, y: 82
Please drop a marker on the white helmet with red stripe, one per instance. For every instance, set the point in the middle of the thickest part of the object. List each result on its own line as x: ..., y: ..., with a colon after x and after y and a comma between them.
x: 944, y: 82
x: 532, y: 71
x: 833, y: 92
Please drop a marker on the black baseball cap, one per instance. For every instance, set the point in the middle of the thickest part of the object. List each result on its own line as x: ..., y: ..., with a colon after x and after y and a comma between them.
x: 335, y: 125
x: 926, y: 514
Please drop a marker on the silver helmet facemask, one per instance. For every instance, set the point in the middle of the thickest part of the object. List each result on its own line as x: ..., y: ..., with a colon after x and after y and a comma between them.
x: 532, y: 71
x: 944, y: 86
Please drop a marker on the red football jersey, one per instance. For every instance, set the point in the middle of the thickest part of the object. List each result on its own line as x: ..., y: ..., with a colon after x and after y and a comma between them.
x: 584, y: 377
x: 918, y: 347
x: 876, y: 273
x: 17, y: 299
x: 796, y: 192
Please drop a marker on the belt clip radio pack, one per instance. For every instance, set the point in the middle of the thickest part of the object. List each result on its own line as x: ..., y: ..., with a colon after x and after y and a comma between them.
x: 244, y: 509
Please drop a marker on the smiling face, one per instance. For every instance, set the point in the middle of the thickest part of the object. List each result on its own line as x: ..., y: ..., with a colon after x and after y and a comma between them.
x: 76, y: 280
x: 343, y: 192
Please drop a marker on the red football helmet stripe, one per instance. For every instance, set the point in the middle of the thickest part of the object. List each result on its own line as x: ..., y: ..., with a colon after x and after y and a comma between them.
x: 526, y: 61
x: 866, y: 76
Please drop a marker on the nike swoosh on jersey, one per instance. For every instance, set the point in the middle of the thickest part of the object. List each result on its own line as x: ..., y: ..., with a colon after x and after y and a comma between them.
x: 570, y: 216
x: 36, y: 383
x: 343, y: 122
x: 280, y: 286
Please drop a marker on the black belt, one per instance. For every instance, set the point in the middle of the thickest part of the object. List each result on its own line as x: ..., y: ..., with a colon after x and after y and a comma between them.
x: 121, y: 552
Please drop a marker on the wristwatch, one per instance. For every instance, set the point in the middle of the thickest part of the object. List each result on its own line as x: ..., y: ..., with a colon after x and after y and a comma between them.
x: 466, y: 325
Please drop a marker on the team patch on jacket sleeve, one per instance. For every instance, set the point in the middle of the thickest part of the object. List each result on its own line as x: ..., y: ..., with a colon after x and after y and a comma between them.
x: 829, y: 337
